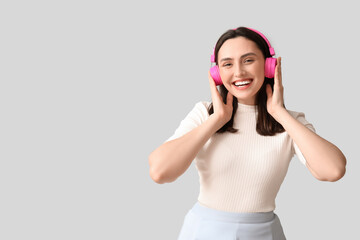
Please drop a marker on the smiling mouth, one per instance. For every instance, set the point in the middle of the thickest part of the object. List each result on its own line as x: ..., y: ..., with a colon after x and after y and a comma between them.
x: 242, y: 84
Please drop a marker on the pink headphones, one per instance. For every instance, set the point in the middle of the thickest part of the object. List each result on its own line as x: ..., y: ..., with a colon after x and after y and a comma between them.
x: 270, y: 63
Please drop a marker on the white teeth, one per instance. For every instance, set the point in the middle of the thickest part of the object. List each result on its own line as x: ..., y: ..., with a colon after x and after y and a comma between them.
x: 242, y: 83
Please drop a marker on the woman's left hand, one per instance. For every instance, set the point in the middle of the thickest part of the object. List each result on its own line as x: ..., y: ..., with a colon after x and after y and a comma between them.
x: 275, y: 100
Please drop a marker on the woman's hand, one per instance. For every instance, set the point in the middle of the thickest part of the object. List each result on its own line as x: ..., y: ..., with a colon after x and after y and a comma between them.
x: 275, y: 100
x: 221, y: 110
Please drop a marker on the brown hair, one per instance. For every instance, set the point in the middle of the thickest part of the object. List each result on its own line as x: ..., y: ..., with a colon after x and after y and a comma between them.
x: 266, y: 125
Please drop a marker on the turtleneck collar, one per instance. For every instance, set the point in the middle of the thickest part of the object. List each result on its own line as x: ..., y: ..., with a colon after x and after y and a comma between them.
x: 246, y: 108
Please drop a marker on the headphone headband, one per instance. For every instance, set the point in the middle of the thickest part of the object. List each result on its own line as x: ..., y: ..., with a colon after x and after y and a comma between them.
x: 271, y: 49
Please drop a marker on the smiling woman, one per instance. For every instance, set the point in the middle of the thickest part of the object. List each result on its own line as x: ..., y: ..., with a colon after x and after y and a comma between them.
x: 253, y: 51
x: 242, y: 143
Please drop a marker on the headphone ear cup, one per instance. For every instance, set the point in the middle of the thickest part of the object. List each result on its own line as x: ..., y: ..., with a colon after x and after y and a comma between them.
x: 270, y: 64
x: 215, y: 74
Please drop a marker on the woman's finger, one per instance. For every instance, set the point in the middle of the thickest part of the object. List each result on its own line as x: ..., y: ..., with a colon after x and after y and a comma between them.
x: 277, y: 77
x: 220, y: 108
x: 213, y: 89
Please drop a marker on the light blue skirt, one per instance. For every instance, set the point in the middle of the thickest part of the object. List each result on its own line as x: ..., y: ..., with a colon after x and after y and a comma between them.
x: 203, y: 223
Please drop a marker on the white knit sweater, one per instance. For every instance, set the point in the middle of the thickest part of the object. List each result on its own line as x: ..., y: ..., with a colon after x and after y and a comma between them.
x: 242, y: 171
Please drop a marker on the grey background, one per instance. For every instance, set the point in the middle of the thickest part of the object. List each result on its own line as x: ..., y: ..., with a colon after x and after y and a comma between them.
x: 90, y: 88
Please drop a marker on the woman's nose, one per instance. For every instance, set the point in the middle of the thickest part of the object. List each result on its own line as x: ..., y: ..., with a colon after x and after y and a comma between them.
x: 239, y: 72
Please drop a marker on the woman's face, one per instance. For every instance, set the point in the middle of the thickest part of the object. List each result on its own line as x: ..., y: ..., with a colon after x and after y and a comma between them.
x: 240, y: 60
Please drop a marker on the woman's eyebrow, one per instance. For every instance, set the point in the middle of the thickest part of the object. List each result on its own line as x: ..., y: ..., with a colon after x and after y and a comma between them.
x: 245, y: 55
x: 225, y: 59
x: 248, y: 54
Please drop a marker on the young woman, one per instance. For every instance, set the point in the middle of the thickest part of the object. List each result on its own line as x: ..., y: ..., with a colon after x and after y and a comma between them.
x: 242, y: 143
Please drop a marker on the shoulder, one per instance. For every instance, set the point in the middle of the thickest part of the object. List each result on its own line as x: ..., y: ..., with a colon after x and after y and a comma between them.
x: 295, y: 114
x: 300, y: 116
x: 203, y: 104
x: 199, y: 113
x: 201, y: 107
x: 194, y: 118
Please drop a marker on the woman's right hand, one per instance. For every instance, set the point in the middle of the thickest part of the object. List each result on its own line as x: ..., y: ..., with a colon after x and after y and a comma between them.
x: 221, y: 110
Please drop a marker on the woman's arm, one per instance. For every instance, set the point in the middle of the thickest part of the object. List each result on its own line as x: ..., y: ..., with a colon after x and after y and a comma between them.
x: 174, y: 157
x: 324, y: 160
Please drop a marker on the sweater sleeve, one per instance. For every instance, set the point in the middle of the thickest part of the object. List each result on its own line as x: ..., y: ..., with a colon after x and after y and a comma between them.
x: 195, y: 118
x: 301, y: 118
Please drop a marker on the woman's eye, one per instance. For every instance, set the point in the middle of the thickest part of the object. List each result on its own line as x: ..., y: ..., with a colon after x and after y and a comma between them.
x: 227, y: 65
x: 249, y: 60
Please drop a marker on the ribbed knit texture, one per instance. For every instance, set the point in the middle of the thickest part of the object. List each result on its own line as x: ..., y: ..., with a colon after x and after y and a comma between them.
x: 243, y: 171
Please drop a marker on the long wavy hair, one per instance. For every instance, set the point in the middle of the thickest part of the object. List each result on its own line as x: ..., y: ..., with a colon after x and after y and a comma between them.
x: 266, y: 125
